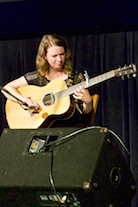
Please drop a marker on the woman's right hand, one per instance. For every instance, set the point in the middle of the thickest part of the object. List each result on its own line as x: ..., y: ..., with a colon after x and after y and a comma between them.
x: 33, y: 107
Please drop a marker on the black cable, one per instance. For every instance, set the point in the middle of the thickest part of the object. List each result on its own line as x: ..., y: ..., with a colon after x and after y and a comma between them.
x: 67, y: 137
x: 51, y: 173
x: 51, y: 179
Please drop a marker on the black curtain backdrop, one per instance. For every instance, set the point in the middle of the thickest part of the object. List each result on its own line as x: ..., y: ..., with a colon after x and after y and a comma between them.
x: 96, y: 53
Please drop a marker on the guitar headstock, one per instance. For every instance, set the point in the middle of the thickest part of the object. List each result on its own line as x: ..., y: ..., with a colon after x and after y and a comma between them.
x: 126, y: 70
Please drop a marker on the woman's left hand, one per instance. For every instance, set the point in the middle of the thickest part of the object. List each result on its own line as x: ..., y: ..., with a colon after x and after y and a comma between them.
x: 83, y: 95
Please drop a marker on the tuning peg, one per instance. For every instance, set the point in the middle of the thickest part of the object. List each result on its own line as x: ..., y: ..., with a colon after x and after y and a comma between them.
x: 128, y: 76
x: 122, y: 77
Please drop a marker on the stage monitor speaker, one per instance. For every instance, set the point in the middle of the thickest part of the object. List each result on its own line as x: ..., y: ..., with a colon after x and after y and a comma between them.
x: 66, y: 166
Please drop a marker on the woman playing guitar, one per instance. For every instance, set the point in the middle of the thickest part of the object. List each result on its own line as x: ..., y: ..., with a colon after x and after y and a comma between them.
x: 53, y: 62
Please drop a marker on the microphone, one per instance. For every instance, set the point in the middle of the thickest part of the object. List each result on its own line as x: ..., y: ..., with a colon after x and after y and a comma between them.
x: 29, y: 108
x: 8, y: 92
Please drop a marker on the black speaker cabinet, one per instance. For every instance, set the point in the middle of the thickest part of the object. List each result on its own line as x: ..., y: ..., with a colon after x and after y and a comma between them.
x: 63, y: 167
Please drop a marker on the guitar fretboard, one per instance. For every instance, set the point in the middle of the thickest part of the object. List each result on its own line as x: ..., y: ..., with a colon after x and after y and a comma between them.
x: 86, y: 84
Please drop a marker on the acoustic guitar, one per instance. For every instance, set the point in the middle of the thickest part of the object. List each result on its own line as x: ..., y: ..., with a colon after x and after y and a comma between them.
x: 54, y: 100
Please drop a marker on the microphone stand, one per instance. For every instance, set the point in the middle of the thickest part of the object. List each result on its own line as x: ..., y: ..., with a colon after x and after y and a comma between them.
x: 18, y: 100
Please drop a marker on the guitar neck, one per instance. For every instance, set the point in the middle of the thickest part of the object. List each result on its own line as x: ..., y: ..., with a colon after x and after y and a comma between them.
x: 85, y: 84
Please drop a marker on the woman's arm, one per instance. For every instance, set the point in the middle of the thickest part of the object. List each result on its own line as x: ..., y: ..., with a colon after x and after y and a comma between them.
x: 12, y: 88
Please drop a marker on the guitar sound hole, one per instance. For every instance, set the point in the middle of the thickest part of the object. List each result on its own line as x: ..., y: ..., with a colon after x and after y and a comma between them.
x: 49, y: 99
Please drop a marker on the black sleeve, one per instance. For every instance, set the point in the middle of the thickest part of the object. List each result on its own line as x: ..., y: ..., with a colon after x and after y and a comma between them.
x: 33, y: 78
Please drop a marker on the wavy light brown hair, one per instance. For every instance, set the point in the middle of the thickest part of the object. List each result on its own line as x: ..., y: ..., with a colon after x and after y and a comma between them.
x: 46, y: 42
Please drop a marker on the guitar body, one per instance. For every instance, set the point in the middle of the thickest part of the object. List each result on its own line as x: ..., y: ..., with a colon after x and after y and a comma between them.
x: 18, y: 118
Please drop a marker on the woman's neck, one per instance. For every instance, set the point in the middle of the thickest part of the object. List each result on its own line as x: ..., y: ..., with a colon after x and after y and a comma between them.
x: 56, y: 74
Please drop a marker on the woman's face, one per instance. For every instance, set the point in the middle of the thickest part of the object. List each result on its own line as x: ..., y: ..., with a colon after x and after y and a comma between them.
x: 56, y: 57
